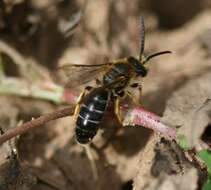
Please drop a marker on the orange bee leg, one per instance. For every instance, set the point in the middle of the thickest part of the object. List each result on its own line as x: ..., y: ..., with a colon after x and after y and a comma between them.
x: 117, y: 110
x: 92, y: 161
x: 136, y: 101
x: 80, y: 98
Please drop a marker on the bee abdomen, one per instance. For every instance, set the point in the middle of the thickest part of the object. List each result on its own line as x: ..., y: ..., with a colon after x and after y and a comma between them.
x: 84, y: 135
x: 90, y: 115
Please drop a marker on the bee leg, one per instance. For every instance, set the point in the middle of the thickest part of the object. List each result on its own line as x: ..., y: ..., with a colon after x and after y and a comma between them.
x: 92, y: 161
x: 141, y: 92
x: 139, y: 87
x: 117, y: 109
x: 109, y: 139
x: 80, y: 98
x: 135, y: 100
x: 77, y: 107
x: 76, y: 111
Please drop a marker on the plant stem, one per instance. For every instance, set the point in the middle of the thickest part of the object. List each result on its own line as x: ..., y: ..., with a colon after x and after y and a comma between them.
x: 35, y: 123
x: 18, y: 87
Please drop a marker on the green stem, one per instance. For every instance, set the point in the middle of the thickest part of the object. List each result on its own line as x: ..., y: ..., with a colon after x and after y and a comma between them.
x: 18, y: 87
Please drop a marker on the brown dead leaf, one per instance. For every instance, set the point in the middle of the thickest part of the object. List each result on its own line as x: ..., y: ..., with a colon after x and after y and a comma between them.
x: 187, y: 108
x: 196, y: 123
x: 179, y: 182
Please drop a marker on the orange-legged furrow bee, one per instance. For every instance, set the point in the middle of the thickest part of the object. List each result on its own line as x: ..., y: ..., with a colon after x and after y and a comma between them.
x: 117, y: 76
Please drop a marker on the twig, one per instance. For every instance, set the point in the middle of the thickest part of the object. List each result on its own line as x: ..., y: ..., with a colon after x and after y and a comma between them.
x: 136, y: 116
x: 11, y: 52
x: 141, y: 117
x: 35, y: 123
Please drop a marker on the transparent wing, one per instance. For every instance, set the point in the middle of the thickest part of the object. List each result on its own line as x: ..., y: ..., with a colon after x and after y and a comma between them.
x: 78, y: 75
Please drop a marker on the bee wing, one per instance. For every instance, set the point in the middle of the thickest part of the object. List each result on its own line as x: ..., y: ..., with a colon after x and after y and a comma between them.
x: 78, y: 75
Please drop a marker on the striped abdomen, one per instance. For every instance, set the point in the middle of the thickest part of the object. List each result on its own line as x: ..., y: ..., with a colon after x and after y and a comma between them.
x: 90, y: 115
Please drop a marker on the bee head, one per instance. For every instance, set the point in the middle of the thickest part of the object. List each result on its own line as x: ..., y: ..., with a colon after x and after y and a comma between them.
x: 139, y: 68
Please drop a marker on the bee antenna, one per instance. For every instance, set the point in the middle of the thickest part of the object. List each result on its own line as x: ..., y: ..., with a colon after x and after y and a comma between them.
x: 142, y: 37
x: 154, y: 55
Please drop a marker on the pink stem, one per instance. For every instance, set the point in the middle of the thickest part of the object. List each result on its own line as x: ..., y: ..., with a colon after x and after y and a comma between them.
x: 140, y: 116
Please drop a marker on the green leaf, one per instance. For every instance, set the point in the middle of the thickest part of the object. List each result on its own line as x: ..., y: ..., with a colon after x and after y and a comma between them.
x: 207, y: 185
x: 205, y: 155
x: 183, y: 142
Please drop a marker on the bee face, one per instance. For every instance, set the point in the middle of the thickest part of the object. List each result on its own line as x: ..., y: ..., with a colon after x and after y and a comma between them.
x: 137, y: 66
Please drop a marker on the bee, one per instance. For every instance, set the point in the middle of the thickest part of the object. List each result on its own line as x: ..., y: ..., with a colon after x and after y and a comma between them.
x: 117, y: 76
